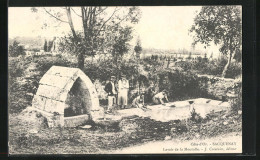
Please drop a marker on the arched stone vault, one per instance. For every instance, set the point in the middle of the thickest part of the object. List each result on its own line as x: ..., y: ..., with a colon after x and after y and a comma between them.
x: 54, y: 88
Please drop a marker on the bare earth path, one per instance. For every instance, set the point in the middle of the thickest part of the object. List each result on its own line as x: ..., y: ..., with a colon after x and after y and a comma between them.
x: 228, y: 143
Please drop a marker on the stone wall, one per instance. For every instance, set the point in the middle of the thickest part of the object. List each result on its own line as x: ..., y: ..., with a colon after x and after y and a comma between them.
x: 76, y: 120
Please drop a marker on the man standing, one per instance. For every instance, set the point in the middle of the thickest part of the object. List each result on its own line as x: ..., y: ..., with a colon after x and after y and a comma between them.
x: 123, y: 87
x: 111, y: 91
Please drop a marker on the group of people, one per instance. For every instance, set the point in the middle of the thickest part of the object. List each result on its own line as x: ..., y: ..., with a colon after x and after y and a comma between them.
x: 118, y: 94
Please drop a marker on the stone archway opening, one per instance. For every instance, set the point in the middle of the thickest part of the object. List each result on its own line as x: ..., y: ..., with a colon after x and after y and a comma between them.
x: 78, y: 100
x: 67, y: 97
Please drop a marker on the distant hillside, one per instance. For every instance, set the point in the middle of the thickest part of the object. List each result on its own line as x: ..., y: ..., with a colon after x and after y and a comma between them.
x: 30, y: 42
x: 152, y: 51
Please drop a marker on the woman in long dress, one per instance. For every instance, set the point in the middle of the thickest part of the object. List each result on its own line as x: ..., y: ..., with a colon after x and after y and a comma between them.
x: 123, y: 87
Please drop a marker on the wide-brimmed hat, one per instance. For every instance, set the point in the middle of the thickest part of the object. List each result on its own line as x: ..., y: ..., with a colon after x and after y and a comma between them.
x: 123, y: 75
x: 113, y: 77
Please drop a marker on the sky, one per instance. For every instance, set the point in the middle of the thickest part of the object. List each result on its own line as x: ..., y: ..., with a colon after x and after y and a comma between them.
x: 166, y: 27
x: 160, y: 27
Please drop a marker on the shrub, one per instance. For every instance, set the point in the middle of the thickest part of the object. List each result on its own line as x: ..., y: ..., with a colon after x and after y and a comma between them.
x: 182, y: 85
x: 16, y: 49
x: 214, y: 67
x: 15, y: 67
x: 103, y: 69
x: 234, y: 71
x: 195, y: 117
x: 236, y: 104
x: 179, y: 128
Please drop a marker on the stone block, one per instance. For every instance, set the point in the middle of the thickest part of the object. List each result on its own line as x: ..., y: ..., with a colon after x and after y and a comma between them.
x: 201, y: 101
x: 52, y: 106
x: 55, y: 121
x: 57, y: 81
x: 52, y: 120
x: 215, y: 102
x: 96, y: 114
x: 44, y: 113
x: 225, y: 105
x: 75, y: 120
x: 38, y: 102
x: 181, y: 104
x: 62, y: 71
x: 52, y: 92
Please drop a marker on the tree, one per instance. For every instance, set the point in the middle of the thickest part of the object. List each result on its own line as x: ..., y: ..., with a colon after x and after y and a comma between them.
x: 189, y: 56
x: 221, y: 25
x: 211, y: 56
x: 138, y: 47
x: 120, y: 41
x: 45, y: 46
x: 50, y: 43
x: 205, y: 57
x: 15, y: 49
x: 96, y: 24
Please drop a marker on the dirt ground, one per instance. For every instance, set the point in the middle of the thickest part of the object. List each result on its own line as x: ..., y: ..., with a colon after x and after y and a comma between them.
x: 204, y: 145
x: 29, y: 134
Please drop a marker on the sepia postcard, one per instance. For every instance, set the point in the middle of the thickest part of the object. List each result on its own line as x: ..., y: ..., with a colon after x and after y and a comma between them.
x: 125, y: 80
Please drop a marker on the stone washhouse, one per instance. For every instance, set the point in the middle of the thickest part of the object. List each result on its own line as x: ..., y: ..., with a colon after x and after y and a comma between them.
x: 67, y: 98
